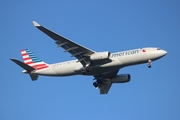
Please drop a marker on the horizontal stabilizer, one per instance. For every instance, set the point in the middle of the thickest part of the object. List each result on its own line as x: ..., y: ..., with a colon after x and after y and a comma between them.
x: 33, y: 77
x: 23, y: 65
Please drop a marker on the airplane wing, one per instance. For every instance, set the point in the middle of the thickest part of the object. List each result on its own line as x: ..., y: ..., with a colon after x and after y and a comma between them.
x: 80, y: 52
x: 105, y: 86
x: 106, y: 81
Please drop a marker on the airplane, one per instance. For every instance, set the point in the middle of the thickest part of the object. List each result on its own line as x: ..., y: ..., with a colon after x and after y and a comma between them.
x: 104, y: 66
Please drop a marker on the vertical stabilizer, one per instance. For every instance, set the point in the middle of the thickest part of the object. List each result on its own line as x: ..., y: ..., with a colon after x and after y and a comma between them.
x: 32, y: 60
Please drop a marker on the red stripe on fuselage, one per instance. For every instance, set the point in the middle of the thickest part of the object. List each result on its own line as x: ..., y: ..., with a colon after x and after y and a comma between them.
x: 39, y: 65
x: 43, y: 67
x: 28, y: 62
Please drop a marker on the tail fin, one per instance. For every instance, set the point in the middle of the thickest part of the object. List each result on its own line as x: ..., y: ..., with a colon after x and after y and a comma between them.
x: 33, y: 61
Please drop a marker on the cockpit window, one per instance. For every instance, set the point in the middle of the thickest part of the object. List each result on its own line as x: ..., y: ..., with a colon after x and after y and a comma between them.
x: 158, y: 48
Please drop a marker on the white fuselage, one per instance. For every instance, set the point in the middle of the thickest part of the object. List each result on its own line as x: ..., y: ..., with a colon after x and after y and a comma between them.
x: 116, y: 61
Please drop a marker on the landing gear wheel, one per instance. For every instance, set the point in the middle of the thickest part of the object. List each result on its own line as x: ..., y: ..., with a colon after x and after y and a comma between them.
x: 95, y: 84
x: 149, y: 63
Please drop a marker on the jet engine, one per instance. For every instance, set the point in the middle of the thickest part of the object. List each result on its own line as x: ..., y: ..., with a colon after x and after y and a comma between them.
x: 122, y: 78
x: 100, y: 56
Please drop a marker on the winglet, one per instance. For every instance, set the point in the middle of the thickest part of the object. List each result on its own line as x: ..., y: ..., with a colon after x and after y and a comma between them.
x: 36, y: 24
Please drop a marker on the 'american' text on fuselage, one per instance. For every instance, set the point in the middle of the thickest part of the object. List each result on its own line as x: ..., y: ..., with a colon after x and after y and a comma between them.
x: 129, y: 52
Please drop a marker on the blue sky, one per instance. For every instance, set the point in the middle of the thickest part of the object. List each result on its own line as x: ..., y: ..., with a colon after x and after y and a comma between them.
x: 152, y: 94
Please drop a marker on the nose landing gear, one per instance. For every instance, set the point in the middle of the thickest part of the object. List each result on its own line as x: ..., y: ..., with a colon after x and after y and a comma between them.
x: 149, y: 63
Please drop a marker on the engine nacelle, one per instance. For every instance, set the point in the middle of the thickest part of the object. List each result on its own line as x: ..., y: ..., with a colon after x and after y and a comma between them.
x: 100, y: 56
x: 122, y: 78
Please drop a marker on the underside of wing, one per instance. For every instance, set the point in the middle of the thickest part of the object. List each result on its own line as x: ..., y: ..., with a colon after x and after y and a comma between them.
x: 105, y: 86
x: 104, y: 82
x: 80, y: 52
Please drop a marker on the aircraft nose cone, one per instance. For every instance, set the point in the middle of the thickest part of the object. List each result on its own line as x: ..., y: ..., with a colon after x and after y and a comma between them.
x: 164, y: 52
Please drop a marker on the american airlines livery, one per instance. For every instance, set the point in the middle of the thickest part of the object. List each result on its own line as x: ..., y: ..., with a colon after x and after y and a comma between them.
x: 104, y: 66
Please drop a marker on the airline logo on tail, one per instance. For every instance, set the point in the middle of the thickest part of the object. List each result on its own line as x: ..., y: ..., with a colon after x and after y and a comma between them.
x: 33, y: 61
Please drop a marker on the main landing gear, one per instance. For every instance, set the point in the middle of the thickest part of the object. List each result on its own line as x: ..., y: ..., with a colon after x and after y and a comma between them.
x: 97, y: 83
x: 149, y: 63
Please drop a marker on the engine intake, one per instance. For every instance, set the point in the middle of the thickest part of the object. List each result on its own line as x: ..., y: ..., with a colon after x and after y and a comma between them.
x: 100, y: 56
x: 122, y: 78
